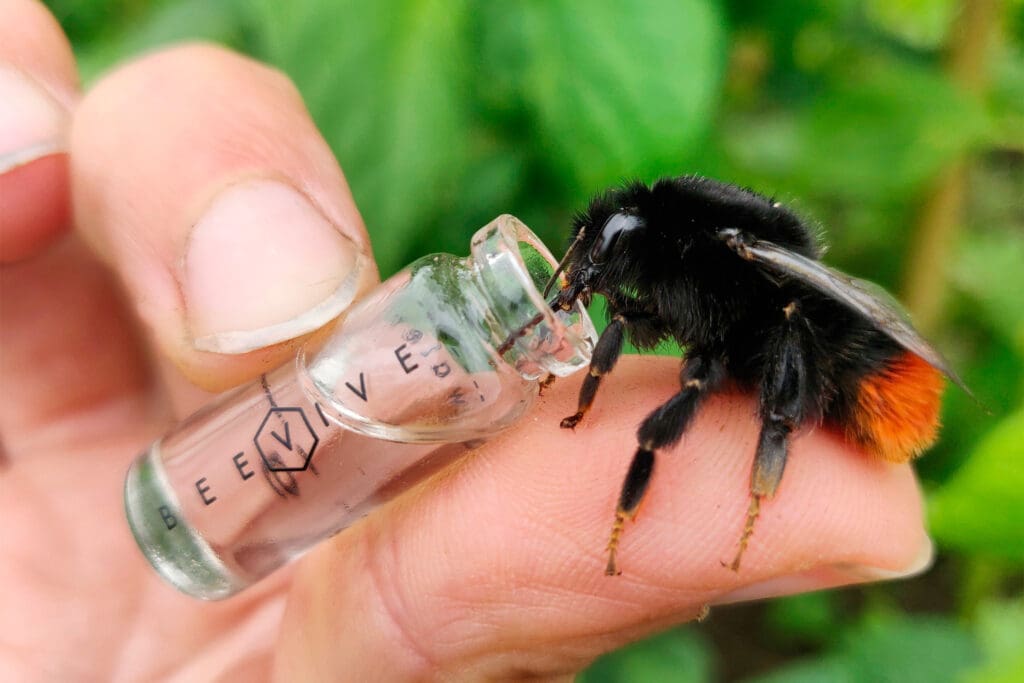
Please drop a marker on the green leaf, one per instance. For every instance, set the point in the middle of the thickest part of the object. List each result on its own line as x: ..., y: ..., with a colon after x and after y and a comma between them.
x: 616, y: 90
x: 680, y: 656
x: 165, y: 24
x: 827, y: 669
x: 909, y: 649
x: 486, y: 189
x: 921, y: 23
x: 806, y: 618
x: 87, y: 22
x: 882, y: 129
x: 887, y: 129
x: 988, y: 267
x: 981, y: 508
x: 890, y: 648
x: 1006, y: 95
x: 1000, y: 631
x: 386, y: 83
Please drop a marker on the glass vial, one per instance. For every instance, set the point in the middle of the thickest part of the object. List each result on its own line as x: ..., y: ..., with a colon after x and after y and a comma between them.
x: 416, y: 372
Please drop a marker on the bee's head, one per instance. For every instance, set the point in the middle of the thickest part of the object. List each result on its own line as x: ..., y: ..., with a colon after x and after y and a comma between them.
x: 599, y: 252
x: 604, y: 244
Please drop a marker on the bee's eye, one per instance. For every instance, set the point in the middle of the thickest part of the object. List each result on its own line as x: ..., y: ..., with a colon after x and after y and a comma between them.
x: 613, y: 228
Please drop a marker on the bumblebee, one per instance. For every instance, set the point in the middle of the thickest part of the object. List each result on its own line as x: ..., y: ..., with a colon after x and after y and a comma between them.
x: 736, y: 280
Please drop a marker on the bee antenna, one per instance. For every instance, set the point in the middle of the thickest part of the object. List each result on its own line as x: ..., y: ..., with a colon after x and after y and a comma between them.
x: 562, y: 263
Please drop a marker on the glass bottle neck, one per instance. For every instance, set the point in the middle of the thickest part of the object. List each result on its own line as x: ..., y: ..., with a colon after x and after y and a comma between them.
x: 509, y: 268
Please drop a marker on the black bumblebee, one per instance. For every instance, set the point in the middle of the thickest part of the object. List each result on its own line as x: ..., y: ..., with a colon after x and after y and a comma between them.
x: 735, y: 278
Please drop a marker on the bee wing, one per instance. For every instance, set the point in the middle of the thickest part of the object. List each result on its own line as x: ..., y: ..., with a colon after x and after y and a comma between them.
x: 865, y: 298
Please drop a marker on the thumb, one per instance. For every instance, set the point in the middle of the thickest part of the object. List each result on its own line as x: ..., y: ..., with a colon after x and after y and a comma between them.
x: 200, y: 177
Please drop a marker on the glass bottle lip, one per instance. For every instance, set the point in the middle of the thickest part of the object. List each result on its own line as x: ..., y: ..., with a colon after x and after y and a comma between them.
x: 561, y: 342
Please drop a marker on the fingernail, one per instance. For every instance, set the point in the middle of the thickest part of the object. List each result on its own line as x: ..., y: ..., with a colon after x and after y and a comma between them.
x: 264, y: 265
x: 32, y: 123
x: 921, y: 563
x: 829, y: 576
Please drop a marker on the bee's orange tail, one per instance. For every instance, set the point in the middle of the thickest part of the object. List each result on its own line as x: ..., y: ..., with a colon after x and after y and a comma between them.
x: 897, y: 411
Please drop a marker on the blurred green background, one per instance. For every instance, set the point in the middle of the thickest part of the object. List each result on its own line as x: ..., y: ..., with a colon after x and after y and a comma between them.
x: 897, y: 125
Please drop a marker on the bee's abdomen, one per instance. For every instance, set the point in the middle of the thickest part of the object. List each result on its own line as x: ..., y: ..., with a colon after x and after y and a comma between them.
x: 895, y: 414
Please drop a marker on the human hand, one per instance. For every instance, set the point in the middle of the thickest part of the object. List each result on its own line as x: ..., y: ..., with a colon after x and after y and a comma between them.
x: 201, y: 185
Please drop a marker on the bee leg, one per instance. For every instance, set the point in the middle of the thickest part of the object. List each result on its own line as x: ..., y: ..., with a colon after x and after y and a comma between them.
x: 772, y: 449
x: 783, y: 397
x: 606, y: 354
x: 661, y: 428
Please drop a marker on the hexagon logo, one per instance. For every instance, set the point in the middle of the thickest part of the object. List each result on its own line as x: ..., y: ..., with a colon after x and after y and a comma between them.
x: 286, y: 440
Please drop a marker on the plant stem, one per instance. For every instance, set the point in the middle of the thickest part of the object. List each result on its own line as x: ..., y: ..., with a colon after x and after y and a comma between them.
x: 939, y: 218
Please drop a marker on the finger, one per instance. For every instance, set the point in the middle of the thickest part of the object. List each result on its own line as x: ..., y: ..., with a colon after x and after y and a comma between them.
x: 497, y: 567
x: 66, y: 349
x: 200, y: 177
x: 38, y: 84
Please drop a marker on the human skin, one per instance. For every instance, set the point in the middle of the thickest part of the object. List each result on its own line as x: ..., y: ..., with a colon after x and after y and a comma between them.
x: 493, y: 568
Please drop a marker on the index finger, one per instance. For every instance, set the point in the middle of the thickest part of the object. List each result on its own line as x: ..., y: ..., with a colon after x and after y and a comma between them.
x: 38, y: 84
x: 501, y: 562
